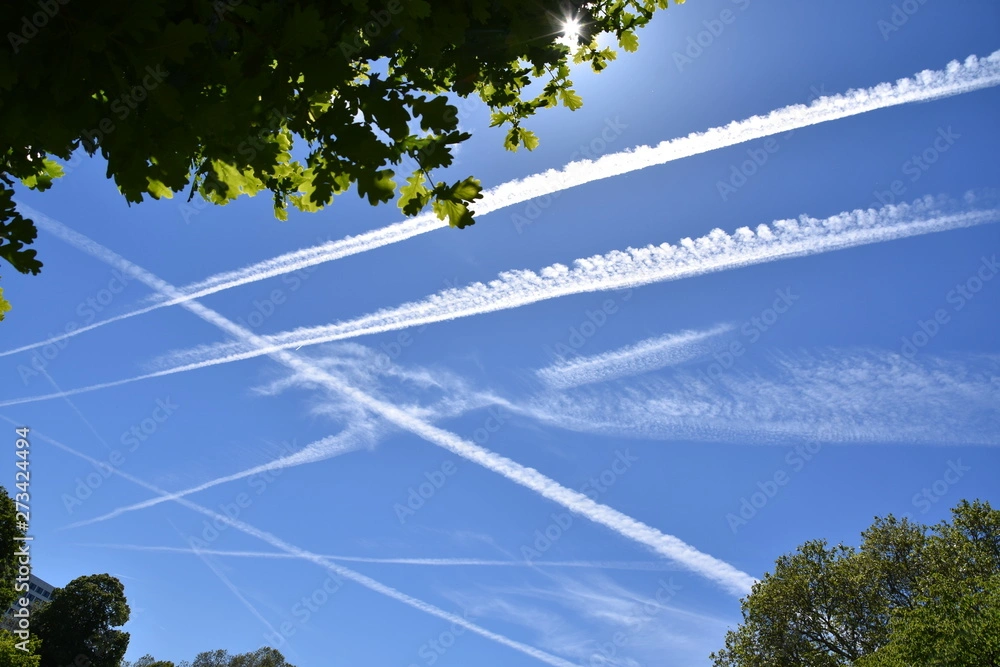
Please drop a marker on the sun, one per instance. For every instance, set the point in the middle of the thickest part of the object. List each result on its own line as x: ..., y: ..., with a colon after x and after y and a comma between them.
x: 570, y: 32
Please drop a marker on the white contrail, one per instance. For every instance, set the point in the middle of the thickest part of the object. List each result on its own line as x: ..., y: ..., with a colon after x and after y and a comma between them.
x: 642, y: 357
x: 732, y: 579
x: 716, y: 251
x: 362, y: 433
x: 350, y: 440
x: 326, y: 563
x: 645, y: 566
x: 957, y: 78
x: 233, y: 588
x: 850, y: 396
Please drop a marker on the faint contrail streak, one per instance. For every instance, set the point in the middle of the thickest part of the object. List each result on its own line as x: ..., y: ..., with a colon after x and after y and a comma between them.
x: 642, y: 357
x: 653, y: 566
x: 350, y: 440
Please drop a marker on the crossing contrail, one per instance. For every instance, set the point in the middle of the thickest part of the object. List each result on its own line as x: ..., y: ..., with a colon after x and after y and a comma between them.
x: 727, y: 576
x: 955, y: 79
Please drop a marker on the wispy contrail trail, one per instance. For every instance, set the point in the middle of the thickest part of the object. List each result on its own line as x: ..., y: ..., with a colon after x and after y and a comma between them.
x: 323, y: 562
x: 362, y: 433
x: 716, y: 251
x: 850, y: 396
x: 732, y: 579
x: 233, y: 588
x: 651, y: 566
x: 351, y: 439
x: 642, y: 357
x: 957, y: 78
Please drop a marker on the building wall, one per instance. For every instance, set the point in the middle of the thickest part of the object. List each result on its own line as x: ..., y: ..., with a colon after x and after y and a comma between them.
x: 39, y: 590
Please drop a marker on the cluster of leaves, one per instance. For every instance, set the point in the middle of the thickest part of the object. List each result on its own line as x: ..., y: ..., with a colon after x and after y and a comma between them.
x: 4, y: 305
x: 910, y: 595
x: 210, y: 96
x: 12, y: 656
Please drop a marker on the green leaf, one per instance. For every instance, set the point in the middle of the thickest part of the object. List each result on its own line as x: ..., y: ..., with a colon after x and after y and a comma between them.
x: 4, y: 305
x: 529, y: 139
x: 629, y: 41
x: 377, y: 185
x: 42, y: 180
x: 513, y: 139
x: 16, y: 232
x: 468, y: 189
x: 518, y: 136
x: 414, y: 195
x: 226, y: 183
x: 570, y: 99
x: 158, y: 189
x: 498, y: 118
x: 436, y: 115
x: 452, y: 201
x: 457, y: 213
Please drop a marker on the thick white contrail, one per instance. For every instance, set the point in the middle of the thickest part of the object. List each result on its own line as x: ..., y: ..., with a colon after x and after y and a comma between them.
x: 732, y: 579
x: 957, y: 78
x: 351, y: 439
x: 324, y: 562
x: 645, y: 566
x: 642, y: 357
x: 716, y: 251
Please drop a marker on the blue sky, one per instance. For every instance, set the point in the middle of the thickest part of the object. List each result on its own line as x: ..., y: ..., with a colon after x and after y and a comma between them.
x: 824, y: 413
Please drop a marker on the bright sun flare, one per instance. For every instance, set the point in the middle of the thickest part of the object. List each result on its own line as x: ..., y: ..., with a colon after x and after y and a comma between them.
x: 570, y: 31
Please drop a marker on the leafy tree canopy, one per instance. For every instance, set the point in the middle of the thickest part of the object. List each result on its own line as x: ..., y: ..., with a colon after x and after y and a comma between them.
x: 215, y: 96
x: 11, y: 656
x: 80, y: 621
x: 910, y: 595
x: 262, y: 657
x: 4, y: 305
x: 8, y: 542
x: 148, y: 661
